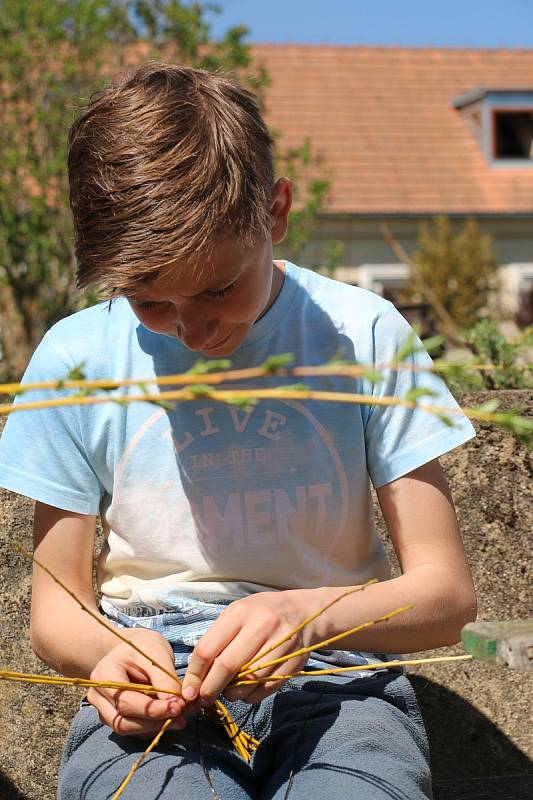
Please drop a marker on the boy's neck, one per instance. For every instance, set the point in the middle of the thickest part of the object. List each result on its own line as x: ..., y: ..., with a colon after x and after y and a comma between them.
x: 278, y: 278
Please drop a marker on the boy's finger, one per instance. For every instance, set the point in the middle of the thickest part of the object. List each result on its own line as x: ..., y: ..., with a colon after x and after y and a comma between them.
x: 202, y: 657
x: 132, y: 703
x: 137, y: 704
x: 127, y: 726
x: 228, y: 663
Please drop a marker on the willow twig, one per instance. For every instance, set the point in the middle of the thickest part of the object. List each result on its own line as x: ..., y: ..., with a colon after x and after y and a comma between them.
x: 231, y: 395
x: 139, y: 761
x: 62, y: 680
x: 303, y: 650
x: 306, y: 622
x: 359, y: 668
x: 251, y: 373
x: 97, y: 617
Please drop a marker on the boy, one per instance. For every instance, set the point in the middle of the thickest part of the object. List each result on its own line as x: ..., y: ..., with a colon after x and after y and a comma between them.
x: 225, y: 528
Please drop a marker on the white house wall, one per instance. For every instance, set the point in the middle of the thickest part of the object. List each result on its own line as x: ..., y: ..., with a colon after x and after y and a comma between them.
x: 369, y: 261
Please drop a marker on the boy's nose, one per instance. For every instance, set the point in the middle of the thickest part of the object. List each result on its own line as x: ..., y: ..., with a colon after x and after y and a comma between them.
x: 195, y: 331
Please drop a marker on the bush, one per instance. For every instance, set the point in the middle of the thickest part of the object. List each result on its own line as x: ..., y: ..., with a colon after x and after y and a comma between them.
x: 502, y: 357
x: 459, y: 266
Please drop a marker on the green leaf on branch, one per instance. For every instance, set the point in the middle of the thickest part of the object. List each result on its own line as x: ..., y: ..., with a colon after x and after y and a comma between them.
x: 166, y: 404
x: 246, y: 403
x: 204, y: 367
x: 521, y: 427
x: 294, y: 387
x: 373, y: 376
x: 77, y: 373
x: 411, y: 346
x: 417, y: 392
x: 274, y: 363
x: 433, y: 343
x: 200, y: 390
x: 448, y: 421
x: 338, y: 360
x: 489, y: 407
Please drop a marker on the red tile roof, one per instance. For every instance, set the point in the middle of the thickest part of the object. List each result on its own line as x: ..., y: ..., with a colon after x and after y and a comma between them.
x: 384, y: 121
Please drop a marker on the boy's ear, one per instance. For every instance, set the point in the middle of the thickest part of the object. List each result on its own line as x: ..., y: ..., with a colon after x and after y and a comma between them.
x: 279, y: 210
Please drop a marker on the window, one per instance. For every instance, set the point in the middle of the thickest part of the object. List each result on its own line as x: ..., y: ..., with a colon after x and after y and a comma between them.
x: 501, y: 122
x: 513, y: 134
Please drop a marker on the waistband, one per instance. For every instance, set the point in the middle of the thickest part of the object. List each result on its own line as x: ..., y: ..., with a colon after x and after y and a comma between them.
x: 191, y: 618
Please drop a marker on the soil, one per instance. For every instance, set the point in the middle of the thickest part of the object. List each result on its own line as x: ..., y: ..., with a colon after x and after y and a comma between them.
x: 477, y: 715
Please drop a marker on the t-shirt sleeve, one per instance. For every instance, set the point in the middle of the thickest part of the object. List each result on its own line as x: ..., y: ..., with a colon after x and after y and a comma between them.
x: 42, y: 454
x: 398, y: 440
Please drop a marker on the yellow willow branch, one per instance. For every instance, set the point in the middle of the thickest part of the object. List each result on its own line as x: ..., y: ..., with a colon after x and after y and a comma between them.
x: 306, y: 622
x: 97, y: 617
x: 184, y: 379
x: 303, y: 650
x: 61, y: 680
x: 148, y: 689
x: 360, y: 668
x: 259, y: 394
x: 138, y: 763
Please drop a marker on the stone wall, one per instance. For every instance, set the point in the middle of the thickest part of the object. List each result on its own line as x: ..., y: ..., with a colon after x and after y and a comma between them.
x: 477, y: 715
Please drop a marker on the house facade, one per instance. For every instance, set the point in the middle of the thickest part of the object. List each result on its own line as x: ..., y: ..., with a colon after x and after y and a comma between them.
x: 404, y: 135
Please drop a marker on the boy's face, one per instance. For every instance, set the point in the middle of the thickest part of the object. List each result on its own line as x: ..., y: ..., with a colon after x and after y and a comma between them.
x: 213, y: 313
x: 212, y: 309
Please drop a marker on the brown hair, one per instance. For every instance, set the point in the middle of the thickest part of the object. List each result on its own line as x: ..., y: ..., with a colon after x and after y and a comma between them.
x: 162, y: 164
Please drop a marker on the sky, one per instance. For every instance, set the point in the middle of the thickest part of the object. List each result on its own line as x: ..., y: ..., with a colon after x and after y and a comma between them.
x: 419, y: 23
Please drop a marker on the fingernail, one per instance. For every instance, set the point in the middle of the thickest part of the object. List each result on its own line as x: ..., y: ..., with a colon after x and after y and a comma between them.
x: 189, y: 692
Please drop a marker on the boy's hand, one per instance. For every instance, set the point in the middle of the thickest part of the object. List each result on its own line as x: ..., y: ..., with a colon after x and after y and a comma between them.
x: 247, y: 627
x: 132, y: 713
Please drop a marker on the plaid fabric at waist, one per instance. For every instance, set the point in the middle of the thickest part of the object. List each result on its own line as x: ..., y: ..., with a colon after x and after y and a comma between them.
x: 191, y: 618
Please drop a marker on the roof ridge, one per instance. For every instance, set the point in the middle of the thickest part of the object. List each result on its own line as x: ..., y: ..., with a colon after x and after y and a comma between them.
x: 390, y: 48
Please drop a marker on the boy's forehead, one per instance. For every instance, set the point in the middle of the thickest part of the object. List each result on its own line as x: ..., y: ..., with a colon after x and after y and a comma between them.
x: 200, y: 273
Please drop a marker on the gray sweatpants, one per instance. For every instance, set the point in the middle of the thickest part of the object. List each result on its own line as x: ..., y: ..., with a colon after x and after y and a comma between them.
x: 321, y: 737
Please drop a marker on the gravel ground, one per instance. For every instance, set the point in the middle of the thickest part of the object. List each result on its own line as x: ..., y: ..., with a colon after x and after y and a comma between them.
x: 477, y: 715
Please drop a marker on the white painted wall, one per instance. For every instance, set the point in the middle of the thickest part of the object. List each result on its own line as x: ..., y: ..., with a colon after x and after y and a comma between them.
x: 514, y: 279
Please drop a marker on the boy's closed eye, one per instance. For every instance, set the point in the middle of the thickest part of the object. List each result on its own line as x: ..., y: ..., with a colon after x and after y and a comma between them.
x: 222, y: 292
x: 148, y: 305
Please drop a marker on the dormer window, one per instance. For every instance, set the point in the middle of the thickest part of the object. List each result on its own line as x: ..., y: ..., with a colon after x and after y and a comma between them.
x: 513, y: 134
x: 501, y: 121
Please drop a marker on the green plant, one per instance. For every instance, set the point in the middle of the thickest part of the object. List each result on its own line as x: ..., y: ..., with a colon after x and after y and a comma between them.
x: 503, y: 359
x: 459, y: 266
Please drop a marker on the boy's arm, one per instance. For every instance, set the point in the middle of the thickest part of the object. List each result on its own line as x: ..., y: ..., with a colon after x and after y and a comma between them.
x: 69, y: 640
x: 422, y: 524
x: 421, y: 520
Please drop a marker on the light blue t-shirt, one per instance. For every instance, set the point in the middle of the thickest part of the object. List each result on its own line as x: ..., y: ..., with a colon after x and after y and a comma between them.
x: 211, y: 500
